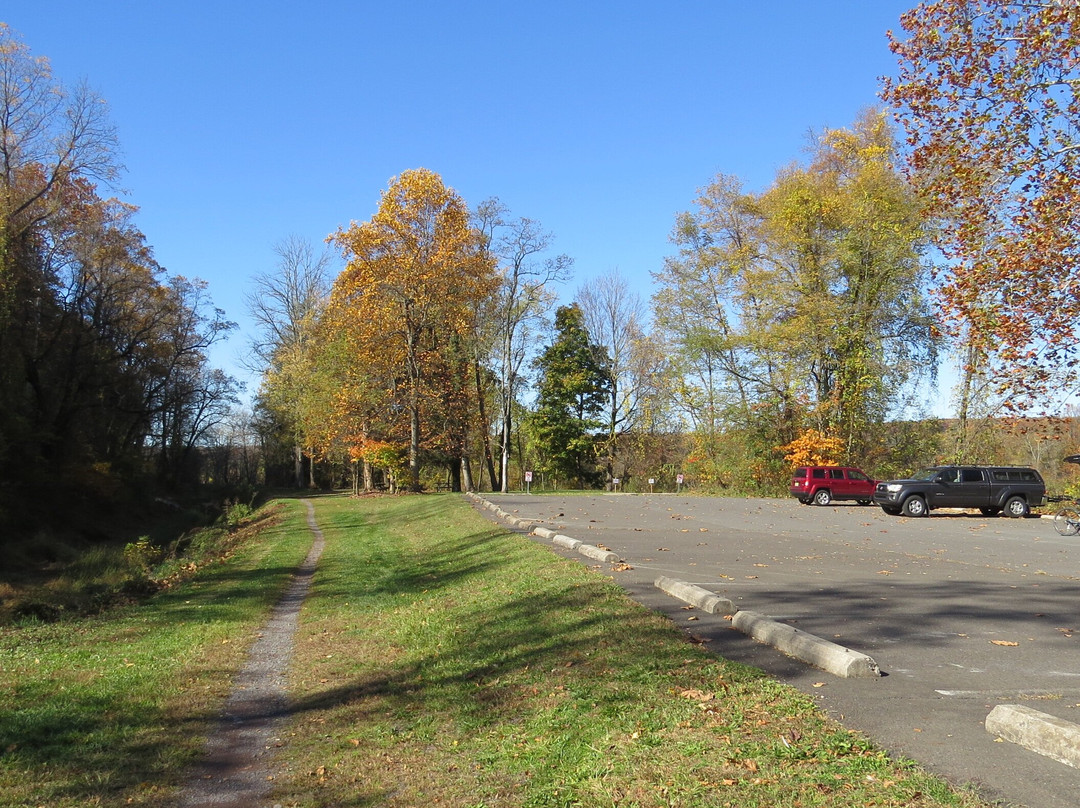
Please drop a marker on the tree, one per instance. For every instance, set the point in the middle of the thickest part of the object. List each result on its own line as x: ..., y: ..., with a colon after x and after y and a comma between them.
x: 521, y: 300
x: 285, y: 306
x: 988, y: 95
x: 804, y: 305
x: 614, y: 318
x: 414, y: 274
x: 50, y: 137
x: 572, y: 392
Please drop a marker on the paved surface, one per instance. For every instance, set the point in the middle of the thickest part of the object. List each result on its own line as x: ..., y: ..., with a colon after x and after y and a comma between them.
x: 961, y: 612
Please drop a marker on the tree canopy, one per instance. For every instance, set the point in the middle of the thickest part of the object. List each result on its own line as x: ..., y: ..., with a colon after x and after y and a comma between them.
x: 987, y: 93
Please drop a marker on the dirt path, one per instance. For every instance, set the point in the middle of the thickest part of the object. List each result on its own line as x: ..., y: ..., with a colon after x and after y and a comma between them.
x: 238, y: 768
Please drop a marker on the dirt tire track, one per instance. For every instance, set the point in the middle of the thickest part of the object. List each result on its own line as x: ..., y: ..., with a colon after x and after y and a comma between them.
x: 238, y: 766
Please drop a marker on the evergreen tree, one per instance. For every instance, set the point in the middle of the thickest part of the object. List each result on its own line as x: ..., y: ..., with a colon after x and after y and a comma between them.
x: 572, y: 392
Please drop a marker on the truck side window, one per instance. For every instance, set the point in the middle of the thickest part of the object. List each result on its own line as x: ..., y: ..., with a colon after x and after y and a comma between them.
x: 972, y: 476
x: 948, y: 475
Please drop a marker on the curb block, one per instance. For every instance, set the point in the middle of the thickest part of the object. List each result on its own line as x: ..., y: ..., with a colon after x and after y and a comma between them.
x: 702, y: 598
x: 1045, y: 734
x: 565, y: 541
x: 595, y: 552
x: 828, y: 656
x: 823, y: 654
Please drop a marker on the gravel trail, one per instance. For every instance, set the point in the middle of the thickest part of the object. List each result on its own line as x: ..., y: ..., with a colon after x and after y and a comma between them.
x: 238, y: 768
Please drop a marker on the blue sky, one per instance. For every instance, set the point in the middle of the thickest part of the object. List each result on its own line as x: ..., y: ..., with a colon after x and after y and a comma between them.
x: 243, y: 123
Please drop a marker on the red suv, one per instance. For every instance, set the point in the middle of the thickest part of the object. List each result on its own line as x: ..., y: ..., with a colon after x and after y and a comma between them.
x: 822, y: 484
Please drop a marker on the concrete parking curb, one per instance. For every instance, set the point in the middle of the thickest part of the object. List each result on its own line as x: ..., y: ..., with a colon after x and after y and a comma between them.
x: 828, y: 656
x: 589, y: 550
x: 813, y: 650
x: 695, y: 595
x: 1045, y: 734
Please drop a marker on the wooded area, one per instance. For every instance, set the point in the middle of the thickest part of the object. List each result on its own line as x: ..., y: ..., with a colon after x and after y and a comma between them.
x: 806, y: 320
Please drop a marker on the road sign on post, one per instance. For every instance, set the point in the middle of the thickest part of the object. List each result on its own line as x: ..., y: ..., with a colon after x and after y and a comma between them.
x: 528, y: 480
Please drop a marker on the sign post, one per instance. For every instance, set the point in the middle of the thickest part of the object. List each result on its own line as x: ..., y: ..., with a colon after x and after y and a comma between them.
x: 678, y: 482
x: 528, y: 480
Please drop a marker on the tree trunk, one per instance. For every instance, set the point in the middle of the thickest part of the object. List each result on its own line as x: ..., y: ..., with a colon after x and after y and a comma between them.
x: 466, y: 474
x: 505, y: 483
x: 489, y: 460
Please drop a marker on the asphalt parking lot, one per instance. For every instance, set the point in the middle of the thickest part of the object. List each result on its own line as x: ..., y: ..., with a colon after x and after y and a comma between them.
x: 961, y: 612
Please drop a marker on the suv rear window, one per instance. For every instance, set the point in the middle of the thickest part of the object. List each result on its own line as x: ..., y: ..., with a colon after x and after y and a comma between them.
x: 819, y: 474
x: 800, y: 473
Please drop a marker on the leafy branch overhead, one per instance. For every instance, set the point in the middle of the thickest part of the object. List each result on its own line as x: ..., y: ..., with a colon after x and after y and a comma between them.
x: 987, y: 93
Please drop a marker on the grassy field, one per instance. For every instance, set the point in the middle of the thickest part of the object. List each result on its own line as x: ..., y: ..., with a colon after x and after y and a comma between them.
x: 439, y: 661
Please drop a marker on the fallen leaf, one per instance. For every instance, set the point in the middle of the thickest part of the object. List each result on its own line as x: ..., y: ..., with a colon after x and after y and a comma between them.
x: 819, y: 684
x: 1004, y: 642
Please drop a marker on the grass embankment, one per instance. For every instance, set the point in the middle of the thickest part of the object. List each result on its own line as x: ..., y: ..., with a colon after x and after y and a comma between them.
x: 439, y: 661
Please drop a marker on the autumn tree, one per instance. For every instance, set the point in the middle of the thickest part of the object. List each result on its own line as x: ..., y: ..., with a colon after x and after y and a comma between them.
x: 104, y: 373
x: 803, y: 305
x: 413, y: 275
x: 50, y: 137
x: 285, y: 306
x: 988, y: 95
x: 572, y: 391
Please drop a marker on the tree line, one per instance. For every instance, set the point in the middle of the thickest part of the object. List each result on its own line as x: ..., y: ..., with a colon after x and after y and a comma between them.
x: 104, y: 380
x: 802, y: 322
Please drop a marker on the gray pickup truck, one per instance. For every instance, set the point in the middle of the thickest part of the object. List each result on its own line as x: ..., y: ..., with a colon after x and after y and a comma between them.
x: 1012, y: 490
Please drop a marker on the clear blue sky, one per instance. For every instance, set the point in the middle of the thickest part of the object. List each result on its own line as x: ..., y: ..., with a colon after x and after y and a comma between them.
x: 243, y: 123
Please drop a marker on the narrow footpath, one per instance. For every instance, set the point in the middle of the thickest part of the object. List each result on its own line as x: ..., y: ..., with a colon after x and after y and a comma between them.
x: 237, y: 770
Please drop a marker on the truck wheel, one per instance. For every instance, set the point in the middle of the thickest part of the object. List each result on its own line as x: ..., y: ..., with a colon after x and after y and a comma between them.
x: 823, y: 497
x: 914, y: 506
x: 1016, y: 507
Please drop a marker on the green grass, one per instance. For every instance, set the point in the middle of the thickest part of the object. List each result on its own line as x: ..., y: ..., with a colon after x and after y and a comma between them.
x: 109, y: 710
x: 440, y: 661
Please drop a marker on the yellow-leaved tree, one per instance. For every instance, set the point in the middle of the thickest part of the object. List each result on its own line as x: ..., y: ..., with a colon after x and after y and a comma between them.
x: 405, y: 302
x: 813, y: 448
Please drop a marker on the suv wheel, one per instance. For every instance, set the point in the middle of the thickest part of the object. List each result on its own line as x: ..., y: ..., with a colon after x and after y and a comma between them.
x: 823, y: 497
x: 1016, y: 507
x: 914, y: 506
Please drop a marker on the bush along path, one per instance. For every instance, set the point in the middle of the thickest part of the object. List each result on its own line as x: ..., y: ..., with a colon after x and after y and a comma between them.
x: 238, y: 768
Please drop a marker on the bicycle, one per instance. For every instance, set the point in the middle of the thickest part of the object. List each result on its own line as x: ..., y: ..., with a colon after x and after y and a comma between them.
x: 1067, y: 518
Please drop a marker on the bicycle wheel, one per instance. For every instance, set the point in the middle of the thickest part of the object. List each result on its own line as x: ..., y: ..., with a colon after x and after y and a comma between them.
x: 1067, y: 522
